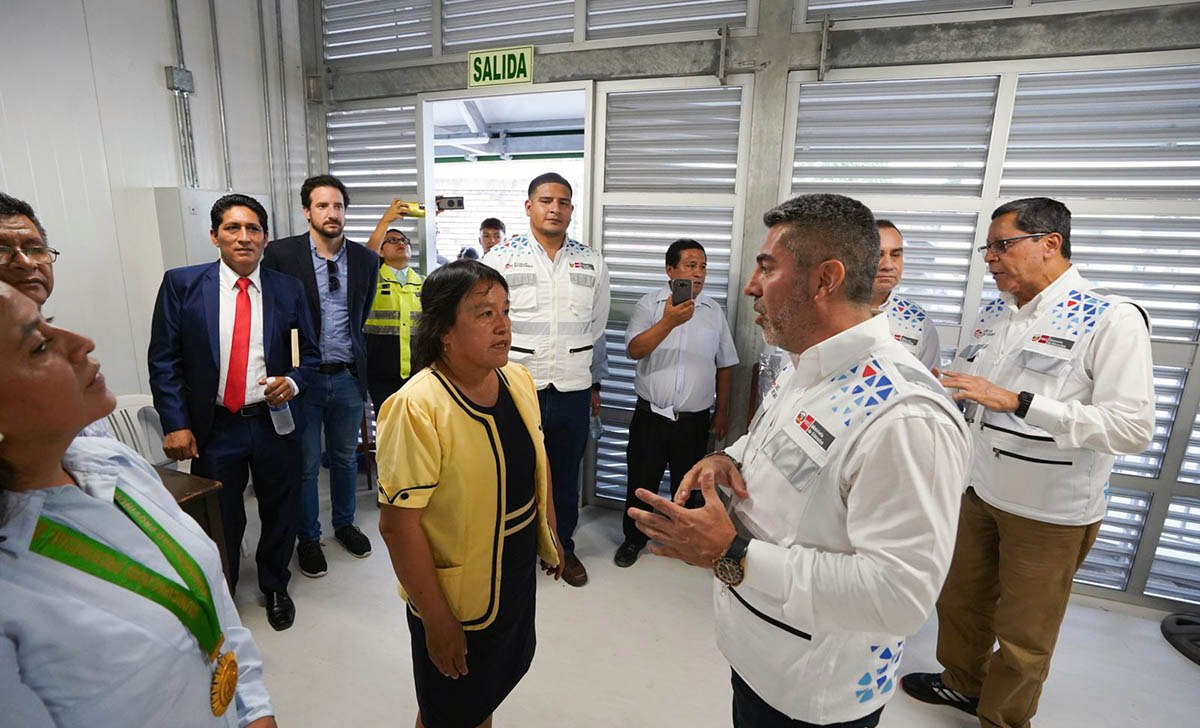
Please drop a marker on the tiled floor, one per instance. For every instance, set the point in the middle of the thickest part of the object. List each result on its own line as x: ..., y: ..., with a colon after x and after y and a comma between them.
x: 634, y: 649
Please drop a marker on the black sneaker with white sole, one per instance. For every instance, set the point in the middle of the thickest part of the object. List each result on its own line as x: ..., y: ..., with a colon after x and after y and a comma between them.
x: 311, y: 558
x: 929, y: 688
x: 355, y: 541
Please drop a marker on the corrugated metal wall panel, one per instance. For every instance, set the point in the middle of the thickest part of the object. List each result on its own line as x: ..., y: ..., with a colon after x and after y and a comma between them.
x: 621, y: 18
x: 398, y: 28
x: 1109, y: 134
x: 683, y: 140
x: 472, y: 24
x: 374, y: 152
x: 918, y: 137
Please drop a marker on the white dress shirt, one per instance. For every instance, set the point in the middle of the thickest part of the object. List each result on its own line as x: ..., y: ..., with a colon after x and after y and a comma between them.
x: 680, y: 375
x: 256, y: 362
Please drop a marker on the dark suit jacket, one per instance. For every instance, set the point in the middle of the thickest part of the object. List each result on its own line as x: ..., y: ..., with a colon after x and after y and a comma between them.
x: 294, y: 256
x: 185, y: 347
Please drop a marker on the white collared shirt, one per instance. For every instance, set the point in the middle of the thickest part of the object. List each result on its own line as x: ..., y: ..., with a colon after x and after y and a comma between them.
x: 256, y: 364
x: 680, y: 375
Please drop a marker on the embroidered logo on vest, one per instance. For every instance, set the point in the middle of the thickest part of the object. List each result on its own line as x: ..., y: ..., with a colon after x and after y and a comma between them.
x: 866, y: 387
x: 814, y: 429
x: 1078, y: 313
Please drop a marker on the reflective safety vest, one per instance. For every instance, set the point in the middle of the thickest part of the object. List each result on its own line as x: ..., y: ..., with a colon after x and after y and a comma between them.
x: 395, y: 311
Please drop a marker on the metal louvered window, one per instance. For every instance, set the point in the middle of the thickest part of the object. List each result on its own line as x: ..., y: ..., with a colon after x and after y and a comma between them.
x: 852, y: 9
x: 1110, y: 134
x: 1111, y: 557
x: 927, y: 136
x: 635, y: 245
x: 937, y: 253
x: 1168, y: 390
x: 1189, y: 471
x: 470, y: 24
x: 396, y: 28
x: 621, y: 18
x: 681, y: 139
x: 1175, y: 572
x: 374, y: 152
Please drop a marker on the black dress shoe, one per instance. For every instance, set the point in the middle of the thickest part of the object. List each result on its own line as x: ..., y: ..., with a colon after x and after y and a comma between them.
x: 627, y: 553
x: 281, y: 611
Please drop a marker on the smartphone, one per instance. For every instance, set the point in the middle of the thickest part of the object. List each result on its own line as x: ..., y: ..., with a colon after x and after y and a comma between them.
x: 450, y: 203
x: 681, y: 290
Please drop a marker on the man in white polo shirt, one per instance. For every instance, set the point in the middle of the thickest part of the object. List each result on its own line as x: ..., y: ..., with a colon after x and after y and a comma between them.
x: 909, y: 323
x: 685, y: 357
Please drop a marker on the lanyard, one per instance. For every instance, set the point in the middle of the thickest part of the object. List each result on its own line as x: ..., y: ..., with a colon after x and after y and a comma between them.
x: 192, y: 605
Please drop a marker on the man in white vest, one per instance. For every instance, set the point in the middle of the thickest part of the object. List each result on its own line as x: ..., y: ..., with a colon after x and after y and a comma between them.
x: 848, y: 487
x: 1057, y: 382
x: 558, y: 296
x: 909, y: 323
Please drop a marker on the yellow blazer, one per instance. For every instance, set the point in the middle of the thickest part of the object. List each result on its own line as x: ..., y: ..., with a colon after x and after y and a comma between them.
x: 435, y: 451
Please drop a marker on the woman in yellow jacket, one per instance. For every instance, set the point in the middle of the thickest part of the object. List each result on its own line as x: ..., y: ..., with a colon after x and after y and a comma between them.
x: 466, y: 507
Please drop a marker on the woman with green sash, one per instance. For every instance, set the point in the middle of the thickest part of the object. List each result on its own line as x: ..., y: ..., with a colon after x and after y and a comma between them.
x: 113, y: 607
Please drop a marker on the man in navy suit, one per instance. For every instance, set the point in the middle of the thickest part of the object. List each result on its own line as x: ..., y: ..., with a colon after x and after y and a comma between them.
x: 339, y: 280
x: 221, y: 355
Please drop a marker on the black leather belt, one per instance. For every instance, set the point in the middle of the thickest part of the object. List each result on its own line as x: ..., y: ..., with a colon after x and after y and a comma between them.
x: 333, y: 367
x: 644, y: 406
x: 250, y: 410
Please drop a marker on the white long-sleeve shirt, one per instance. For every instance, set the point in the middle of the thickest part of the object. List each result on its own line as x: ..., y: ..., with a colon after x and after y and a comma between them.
x: 855, y: 470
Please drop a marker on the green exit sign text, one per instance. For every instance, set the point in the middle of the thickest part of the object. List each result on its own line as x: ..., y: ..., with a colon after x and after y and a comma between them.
x: 500, y: 66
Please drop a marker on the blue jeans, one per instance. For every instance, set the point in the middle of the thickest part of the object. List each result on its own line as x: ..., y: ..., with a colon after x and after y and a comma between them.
x: 335, y: 402
x: 565, y: 429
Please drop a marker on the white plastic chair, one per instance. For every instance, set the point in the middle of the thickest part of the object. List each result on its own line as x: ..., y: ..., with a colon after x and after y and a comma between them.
x: 135, y: 423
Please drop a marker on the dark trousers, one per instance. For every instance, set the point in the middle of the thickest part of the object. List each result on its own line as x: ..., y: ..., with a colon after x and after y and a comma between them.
x: 565, y: 428
x: 654, y: 443
x: 240, y: 446
x: 751, y: 711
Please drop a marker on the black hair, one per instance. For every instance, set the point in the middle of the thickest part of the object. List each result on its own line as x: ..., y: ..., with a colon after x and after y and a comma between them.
x: 467, y: 252
x: 217, y: 214
x: 1040, y: 215
x: 881, y: 223
x: 827, y: 226
x: 322, y: 180
x: 398, y: 230
x: 549, y: 178
x: 12, y: 207
x: 675, y: 251
x: 441, y: 293
x: 494, y: 223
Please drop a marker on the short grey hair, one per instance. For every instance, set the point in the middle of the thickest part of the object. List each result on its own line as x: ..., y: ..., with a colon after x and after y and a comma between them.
x: 1040, y: 215
x: 826, y: 226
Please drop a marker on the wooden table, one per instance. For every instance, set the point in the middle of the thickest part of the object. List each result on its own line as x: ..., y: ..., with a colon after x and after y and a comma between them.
x: 198, y: 497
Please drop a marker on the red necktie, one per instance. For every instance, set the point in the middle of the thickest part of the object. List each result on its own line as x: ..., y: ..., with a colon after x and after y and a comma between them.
x: 239, y: 351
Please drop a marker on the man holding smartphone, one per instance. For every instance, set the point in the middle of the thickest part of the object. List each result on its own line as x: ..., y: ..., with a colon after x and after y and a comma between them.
x: 685, y: 355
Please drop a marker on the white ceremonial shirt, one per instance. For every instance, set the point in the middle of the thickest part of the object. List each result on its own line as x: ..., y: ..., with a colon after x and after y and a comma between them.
x: 558, y: 309
x: 680, y: 375
x: 855, y: 468
x: 1086, y: 357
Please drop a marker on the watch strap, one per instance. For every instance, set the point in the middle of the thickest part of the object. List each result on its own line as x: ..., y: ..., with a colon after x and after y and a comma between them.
x: 1024, y: 399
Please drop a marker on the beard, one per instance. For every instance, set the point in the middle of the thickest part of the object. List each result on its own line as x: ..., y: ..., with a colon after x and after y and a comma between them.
x: 782, y: 330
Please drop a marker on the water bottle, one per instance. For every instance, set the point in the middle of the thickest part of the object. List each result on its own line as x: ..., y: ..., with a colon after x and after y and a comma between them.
x: 281, y: 418
x: 596, y: 428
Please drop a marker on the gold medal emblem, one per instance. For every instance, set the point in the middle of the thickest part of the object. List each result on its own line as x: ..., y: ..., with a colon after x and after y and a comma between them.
x: 224, y: 683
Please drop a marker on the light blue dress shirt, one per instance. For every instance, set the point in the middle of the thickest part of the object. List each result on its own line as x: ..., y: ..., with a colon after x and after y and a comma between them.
x: 335, y: 309
x: 76, y: 650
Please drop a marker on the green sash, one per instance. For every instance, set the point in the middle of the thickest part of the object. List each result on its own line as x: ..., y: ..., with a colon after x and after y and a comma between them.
x: 193, y: 606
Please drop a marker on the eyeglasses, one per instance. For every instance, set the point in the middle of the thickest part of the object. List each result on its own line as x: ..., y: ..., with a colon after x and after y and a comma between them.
x: 397, y: 241
x: 1000, y: 246
x: 36, y: 254
x: 334, y: 282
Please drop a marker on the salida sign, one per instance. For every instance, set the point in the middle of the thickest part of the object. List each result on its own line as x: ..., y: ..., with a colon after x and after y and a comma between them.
x: 500, y: 66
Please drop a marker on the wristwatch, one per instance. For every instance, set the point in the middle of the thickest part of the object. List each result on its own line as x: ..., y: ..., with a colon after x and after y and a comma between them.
x: 722, y: 453
x: 1024, y: 399
x: 730, y: 567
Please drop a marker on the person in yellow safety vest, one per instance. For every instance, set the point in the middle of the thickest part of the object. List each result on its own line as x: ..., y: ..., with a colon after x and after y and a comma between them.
x: 392, y: 321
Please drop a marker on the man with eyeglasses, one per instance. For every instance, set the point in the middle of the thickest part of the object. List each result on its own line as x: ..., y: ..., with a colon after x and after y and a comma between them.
x: 1057, y: 381
x: 392, y: 322
x: 27, y: 264
x: 339, y: 280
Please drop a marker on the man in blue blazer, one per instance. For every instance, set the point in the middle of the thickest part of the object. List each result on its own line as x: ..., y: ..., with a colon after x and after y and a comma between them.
x: 220, y: 356
x: 339, y: 282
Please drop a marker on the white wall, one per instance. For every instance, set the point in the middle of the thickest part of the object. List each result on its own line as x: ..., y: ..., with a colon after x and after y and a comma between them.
x: 87, y: 130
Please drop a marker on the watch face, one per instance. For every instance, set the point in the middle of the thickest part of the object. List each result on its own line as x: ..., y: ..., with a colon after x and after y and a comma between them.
x: 729, y: 571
